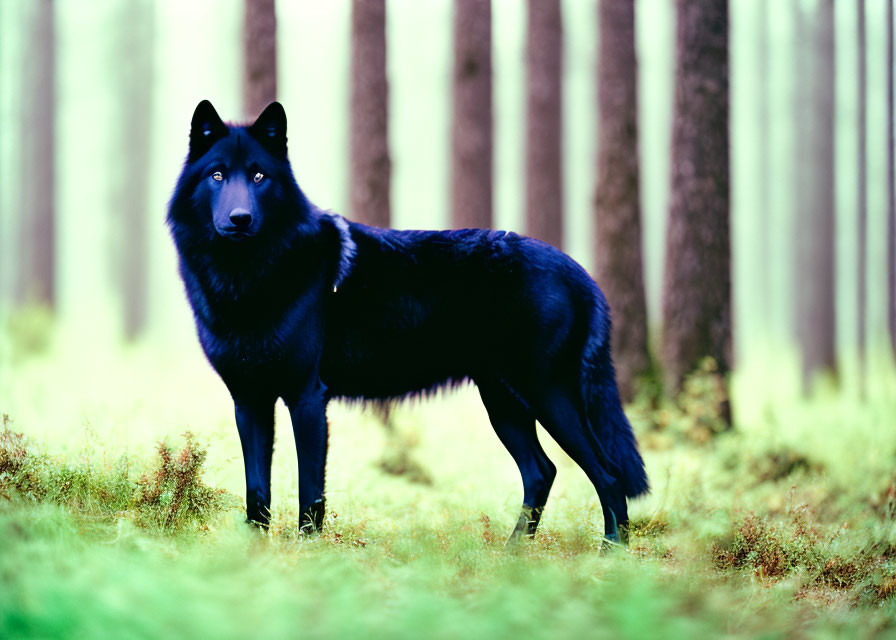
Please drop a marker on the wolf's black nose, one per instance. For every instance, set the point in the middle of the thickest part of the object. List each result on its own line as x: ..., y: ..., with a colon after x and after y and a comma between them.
x: 240, y: 218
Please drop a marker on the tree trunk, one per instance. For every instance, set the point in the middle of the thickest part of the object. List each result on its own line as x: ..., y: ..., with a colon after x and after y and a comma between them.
x: 130, y: 193
x: 472, y: 138
x: 260, y: 61
x: 861, y: 187
x: 544, y: 120
x: 801, y: 132
x: 891, y: 186
x: 697, y: 278
x: 36, y: 280
x: 370, y: 164
x: 815, y: 232
x: 764, y: 306
x: 617, y: 208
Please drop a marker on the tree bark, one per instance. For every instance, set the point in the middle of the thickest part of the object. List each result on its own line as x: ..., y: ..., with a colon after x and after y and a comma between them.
x: 36, y: 282
x: 815, y: 294
x: 764, y: 305
x: 801, y: 132
x: 891, y: 185
x: 472, y: 137
x: 130, y: 191
x: 260, y: 56
x: 862, y: 198
x: 617, y: 208
x: 697, y: 279
x: 544, y: 122
x: 371, y: 166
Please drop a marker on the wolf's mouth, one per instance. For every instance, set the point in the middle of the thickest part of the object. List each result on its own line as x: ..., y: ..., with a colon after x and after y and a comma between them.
x: 234, y: 233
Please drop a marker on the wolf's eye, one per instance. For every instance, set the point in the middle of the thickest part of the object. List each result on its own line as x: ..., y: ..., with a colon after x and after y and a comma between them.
x: 217, y: 175
x: 258, y: 177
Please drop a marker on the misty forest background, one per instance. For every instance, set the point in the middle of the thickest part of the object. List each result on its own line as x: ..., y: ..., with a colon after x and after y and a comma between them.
x: 725, y: 171
x: 96, y: 102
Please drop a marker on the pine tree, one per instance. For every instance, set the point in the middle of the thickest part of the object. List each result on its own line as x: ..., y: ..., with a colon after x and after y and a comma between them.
x: 861, y: 186
x: 619, y: 268
x: 544, y: 121
x: 130, y: 191
x: 36, y: 281
x: 371, y: 166
x: 260, y: 56
x: 472, y: 138
x: 815, y: 311
x: 697, y: 279
x: 891, y: 185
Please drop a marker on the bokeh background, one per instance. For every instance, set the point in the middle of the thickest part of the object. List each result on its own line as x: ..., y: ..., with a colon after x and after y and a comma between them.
x: 128, y: 75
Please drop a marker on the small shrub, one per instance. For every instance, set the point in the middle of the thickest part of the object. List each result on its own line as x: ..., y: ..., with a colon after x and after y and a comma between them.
x: 884, y: 502
x: 169, y: 497
x: 21, y: 472
x: 12, y: 451
x: 648, y: 526
x: 699, y: 413
x: 772, y: 550
x: 704, y: 401
x: 174, y: 495
x: 769, y: 465
x: 777, y: 465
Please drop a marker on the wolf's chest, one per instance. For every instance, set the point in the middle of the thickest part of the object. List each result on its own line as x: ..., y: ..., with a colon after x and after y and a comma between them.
x: 272, y: 350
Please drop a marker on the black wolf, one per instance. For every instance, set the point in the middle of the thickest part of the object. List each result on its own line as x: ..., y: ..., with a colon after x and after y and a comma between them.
x: 297, y: 303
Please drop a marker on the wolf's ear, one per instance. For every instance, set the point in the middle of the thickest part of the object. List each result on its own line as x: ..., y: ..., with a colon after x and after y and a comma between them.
x: 270, y: 129
x: 205, y: 129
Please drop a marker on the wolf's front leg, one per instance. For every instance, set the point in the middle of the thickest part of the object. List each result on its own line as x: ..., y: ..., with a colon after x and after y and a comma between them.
x: 255, y: 423
x: 309, y: 423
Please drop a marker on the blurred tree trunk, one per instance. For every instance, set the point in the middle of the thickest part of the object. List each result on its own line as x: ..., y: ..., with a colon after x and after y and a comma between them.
x: 544, y: 121
x: 260, y: 56
x: 891, y: 186
x: 617, y: 208
x: 130, y: 190
x: 370, y: 164
x: 36, y: 281
x: 861, y: 187
x: 815, y: 312
x: 472, y: 138
x: 802, y: 133
x: 697, y: 278
x: 764, y: 302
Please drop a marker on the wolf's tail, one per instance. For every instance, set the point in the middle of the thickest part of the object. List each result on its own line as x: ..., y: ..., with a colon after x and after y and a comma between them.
x: 604, y: 407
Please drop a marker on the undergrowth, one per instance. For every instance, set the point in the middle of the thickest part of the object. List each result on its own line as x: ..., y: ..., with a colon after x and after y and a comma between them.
x: 820, y: 556
x: 170, y: 496
x: 782, y: 527
x: 173, y: 495
x: 696, y: 415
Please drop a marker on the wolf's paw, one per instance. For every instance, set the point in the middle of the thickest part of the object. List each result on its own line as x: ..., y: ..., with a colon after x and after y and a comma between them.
x: 618, y: 540
x: 261, y: 525
x: 312, y: 519
x: 518, y: 538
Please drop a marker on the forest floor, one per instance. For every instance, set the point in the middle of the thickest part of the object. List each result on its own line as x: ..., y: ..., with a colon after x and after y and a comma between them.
x: 783, y: 526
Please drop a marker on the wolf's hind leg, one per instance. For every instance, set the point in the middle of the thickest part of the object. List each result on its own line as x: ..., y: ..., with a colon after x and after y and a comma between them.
x: 563, y: 417
x: 515, y: 427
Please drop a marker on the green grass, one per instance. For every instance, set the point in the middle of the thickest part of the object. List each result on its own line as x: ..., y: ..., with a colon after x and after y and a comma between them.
x: 783, y: 526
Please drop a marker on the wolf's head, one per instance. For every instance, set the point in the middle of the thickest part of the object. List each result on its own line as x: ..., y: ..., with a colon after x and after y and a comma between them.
x: 237, y: 178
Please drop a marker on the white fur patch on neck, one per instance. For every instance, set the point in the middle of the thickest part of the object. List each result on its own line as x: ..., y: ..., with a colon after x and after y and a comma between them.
x: 346, y: 252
